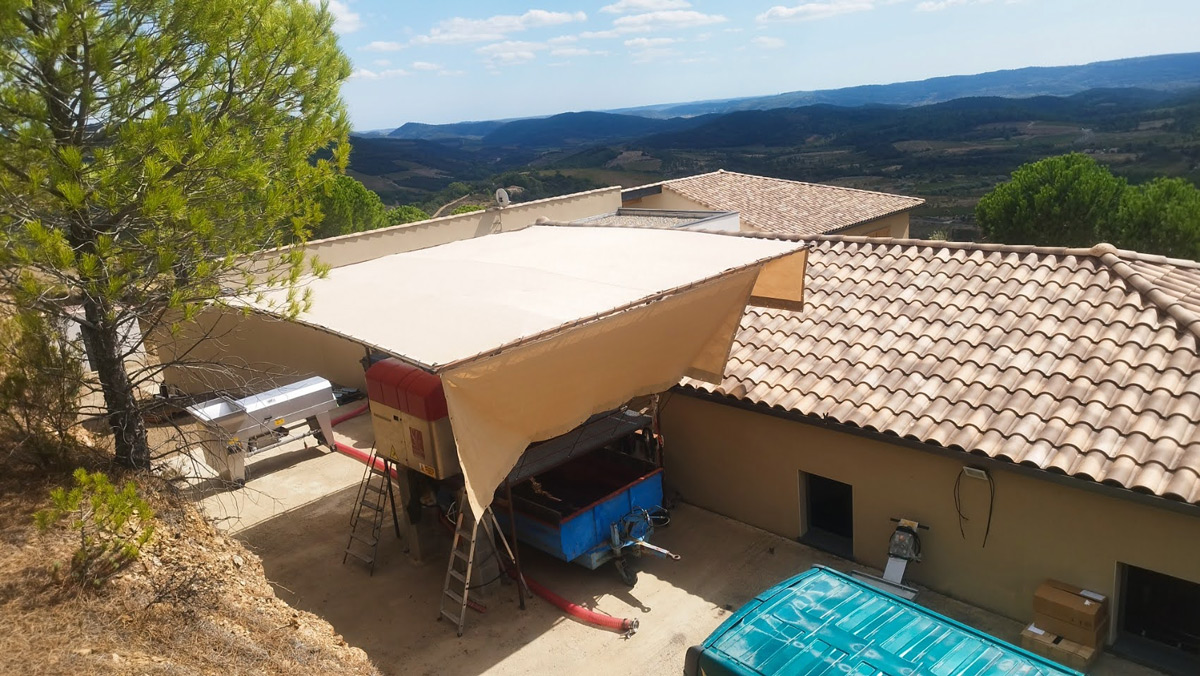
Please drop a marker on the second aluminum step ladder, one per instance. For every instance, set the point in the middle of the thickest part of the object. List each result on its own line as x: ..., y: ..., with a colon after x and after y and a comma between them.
x: 366, y: 522
x: 457, y: 587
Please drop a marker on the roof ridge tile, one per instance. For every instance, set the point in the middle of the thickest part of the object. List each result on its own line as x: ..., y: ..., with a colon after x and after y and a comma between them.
x: 1185, y: 318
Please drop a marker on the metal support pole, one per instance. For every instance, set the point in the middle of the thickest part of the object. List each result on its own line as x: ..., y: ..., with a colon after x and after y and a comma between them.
x: 387, y: 476
x: 512, y: 517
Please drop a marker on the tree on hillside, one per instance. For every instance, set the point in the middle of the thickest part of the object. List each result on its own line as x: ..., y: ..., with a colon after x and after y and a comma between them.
x: 1162, y: 216
x: 1059, y: 201
x: 408, y: 213
x: 145, y: 147
x: 1071, y: 200
x: 348, y: 206
x: 465, y: 209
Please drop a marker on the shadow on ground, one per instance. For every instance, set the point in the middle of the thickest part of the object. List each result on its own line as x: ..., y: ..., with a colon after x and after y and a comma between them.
x: 393, y: 613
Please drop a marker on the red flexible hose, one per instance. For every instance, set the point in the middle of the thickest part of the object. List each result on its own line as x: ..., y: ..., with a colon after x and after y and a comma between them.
x: 625, y: 626
x: 353, y: 452
x: 352, y: 414
x: 362, y: 457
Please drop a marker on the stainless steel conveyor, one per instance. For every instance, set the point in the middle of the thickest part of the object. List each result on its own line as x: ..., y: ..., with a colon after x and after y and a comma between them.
x: 237, y: 428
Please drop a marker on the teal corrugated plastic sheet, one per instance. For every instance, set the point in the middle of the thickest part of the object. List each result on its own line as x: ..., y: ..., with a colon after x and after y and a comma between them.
x: 822, y: 622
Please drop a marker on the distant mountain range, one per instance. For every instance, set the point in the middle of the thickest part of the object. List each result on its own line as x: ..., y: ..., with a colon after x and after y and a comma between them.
x: 1165, y: 73
x: 869, y: 126
x: 556, y: 131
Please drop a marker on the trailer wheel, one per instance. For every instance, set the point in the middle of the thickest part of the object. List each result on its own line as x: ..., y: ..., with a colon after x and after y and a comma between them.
x: 626, y: 570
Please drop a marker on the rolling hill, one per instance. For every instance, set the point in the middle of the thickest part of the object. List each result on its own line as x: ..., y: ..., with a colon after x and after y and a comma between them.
x: 866, y: 125
x: 433, y: 132
x: 1163, y: 72
x: 1167, y: 72
x: 570, y: 129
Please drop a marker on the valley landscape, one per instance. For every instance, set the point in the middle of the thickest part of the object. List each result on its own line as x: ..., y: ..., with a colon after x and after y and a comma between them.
x: 949, y: 140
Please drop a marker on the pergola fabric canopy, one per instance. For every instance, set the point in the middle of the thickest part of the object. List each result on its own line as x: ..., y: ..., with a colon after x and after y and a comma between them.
x: 534, y: 331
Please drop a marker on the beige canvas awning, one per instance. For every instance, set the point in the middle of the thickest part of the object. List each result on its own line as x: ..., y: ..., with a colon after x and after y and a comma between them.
x: 533, y: 331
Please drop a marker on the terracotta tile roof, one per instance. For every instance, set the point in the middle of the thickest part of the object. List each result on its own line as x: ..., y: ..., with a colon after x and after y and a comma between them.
x: 1082, y: 362
x: 789, y: 207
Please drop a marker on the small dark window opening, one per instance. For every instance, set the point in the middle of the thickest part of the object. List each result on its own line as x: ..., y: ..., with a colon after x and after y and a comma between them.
x: 1160, y: 620
x: 830, y: 515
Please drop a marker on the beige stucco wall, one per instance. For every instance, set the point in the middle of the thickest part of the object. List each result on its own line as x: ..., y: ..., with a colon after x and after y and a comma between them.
x: 363, y: 246
x: 746, y: 465
x: 895, y: 225
x: 667, y: 199
x: 256, y: 352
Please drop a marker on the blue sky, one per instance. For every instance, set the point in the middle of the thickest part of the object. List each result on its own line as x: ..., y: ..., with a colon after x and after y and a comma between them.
x: 450, y: 61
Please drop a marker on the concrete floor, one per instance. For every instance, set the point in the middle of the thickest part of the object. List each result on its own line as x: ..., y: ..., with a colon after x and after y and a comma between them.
x: 392, y: 615
x: 277, y: 481
x: 294, y: 512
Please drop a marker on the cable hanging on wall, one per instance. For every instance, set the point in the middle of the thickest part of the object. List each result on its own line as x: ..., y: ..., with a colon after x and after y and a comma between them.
x: 983, y: 475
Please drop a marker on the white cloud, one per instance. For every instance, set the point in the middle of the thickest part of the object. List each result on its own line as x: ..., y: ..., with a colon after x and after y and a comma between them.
x: 665, y: 20
x: 643, y: 43
x: 939, y: 6
x: 634, y: 6
x: 458, y: 30
x: 381, y: 63
x: 365, y: 74
x: 575, y: 51
x: 590, y: 35
x: 768, y: 43
x: 563, y: 40
x: 654, y: 54
x: 383, y: 46
x: 425, y: 65
x: 344, y: 20
x: 509, y: 53
x: 451, y: 73
x: 812, y: 11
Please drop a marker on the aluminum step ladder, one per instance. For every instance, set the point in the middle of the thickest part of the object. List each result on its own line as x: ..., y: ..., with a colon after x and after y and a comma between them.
x: 457, y: 588
x: 375, y: 492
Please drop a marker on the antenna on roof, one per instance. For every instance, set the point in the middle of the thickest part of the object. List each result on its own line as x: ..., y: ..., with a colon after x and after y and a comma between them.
x: 502, y: 200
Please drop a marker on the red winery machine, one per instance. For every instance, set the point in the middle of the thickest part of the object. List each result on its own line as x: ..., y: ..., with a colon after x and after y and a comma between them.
x: 408, y: 412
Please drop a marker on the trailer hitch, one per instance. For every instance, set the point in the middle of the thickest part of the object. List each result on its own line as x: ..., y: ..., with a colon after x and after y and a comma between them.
x: 657, y: 551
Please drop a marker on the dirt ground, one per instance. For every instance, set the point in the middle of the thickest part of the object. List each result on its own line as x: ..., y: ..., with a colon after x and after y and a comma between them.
x: 194, y: 602
x: 392, y: 615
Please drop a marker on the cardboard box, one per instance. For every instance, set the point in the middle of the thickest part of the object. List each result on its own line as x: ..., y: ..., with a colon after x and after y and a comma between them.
x: 1093, y: 638
x: 1068, y: 653
x: 1071, y: 605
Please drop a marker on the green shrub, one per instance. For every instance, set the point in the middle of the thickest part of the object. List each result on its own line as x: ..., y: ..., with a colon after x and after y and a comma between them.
x: 113, y: 524
x: 466, y: 209
x: 40, y: 381
x: 408, y: 213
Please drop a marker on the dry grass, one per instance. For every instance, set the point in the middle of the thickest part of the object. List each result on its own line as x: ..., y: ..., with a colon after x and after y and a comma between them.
x: 195, y: 603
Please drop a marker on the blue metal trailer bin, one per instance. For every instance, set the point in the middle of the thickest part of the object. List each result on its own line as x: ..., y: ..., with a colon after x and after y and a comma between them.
x: 590, y: 496
x: 824, y: 622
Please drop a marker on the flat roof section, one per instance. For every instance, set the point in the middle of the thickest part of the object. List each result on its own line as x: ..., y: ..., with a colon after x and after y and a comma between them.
x: 656, y: 218
x: 534, y: 331
x: 440, y: 306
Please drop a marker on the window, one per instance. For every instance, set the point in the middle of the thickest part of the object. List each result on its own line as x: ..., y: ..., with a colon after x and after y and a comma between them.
x: 828, y: 515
